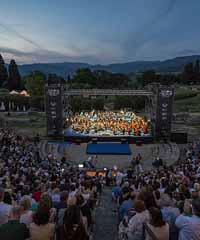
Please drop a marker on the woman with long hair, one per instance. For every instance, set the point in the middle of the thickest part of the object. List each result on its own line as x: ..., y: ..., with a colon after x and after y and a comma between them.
x: 41, y: 229
x: 73, y: 228
x: 157, y: 228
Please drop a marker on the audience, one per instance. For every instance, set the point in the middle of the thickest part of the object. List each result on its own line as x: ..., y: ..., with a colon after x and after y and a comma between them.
x: 170, y: 195
x: 47, y: 199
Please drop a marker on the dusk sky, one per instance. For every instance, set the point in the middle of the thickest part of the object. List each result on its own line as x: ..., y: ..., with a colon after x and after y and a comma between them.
x: 106, y: 31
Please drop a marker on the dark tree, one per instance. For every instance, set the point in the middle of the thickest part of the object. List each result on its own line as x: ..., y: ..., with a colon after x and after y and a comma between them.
x: 197, y: 67
x: 3, y: 73
x: 189, y: 69
x: 148, y: 77
x: 84, y: 76
x: 188, y: 73
x: 14, y: 80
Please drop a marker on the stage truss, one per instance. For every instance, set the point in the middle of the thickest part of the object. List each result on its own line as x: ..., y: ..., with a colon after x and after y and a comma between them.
x: 158, y: 103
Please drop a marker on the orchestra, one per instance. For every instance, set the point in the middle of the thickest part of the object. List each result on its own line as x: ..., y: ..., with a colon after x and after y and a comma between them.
x: 110, y: 123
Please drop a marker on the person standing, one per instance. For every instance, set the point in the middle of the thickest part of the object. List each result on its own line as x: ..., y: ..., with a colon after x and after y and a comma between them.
x: 189, y: 226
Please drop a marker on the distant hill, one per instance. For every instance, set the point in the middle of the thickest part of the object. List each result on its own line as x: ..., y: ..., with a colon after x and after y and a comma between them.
x: 66, y: 68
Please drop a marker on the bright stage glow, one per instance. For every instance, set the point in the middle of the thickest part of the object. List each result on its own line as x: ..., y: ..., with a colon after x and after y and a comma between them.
x: 110, y: 123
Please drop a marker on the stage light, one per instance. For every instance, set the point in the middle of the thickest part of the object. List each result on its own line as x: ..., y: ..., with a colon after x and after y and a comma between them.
x: 105, y: 169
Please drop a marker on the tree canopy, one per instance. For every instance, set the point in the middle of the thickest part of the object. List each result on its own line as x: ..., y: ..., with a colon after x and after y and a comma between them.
x: 35, y: 83
x: 85, y: 78
x: 3, y: 72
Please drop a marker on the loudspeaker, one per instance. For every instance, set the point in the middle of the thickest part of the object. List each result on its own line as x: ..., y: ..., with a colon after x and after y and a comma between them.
x: 138, y: 143
x: 94, y: 140
x: 78, y: 141
x: 123, y: 140
x: 180, y: 138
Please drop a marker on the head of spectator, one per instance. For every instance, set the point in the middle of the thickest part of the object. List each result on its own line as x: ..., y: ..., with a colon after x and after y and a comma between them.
x: 7, y: 198
x: 41, y: 217
x: 72, y: 217
x: 156, y: 217
x: 25, y: 204
x: 187, y: 208
x: 139, y: 206
x: 45, y: 202
x: 196, y: 207
x: 166, y: 201
x: 147, y: 196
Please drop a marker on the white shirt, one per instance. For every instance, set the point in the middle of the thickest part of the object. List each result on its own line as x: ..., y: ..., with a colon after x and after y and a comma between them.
x: 4, y: 212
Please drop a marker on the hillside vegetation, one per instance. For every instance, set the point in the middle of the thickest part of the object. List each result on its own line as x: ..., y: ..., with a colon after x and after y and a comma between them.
x: 187, y: 99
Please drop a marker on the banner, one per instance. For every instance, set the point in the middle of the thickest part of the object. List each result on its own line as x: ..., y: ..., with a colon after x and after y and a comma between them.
x: 165, y: 99
x: 54, y: 109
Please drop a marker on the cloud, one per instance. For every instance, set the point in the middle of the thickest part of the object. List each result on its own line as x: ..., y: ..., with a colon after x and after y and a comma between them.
x: 44, y: 56
x: 11, y: 30
x: 146, y: 32
x: 186, y: 52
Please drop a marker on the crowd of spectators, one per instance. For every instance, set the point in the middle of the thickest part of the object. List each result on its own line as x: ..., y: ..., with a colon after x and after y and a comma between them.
x: 42, y: 199
x: 45, y: 199
x: 162, y: 204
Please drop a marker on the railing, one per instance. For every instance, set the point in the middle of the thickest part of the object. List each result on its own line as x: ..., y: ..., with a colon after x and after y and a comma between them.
x: 104, y: 92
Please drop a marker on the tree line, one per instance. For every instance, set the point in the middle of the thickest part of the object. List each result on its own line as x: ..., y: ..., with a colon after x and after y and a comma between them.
x: 189, y: 75
x: 85, y: 78
x: 10, y: 78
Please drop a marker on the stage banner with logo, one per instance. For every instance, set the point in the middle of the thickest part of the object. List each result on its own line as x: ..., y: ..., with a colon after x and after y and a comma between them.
x: 165, y: 99
x: 54, y: 109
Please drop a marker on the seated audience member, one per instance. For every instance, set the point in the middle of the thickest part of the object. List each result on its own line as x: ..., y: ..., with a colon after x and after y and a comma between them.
x: 26, y: 213
x: 135, y: 230
x: 126, y: 206
x: 41, y: 229
x: 189, y: 226
x: 46, y: 204
x: 4, y: 208
x: 170, y: 213
x: 73, y: 227
x: 85, y: 209
x: 116, y: 192
x: 61, y: 207
x: 13, y: 229
x: 157, y: 227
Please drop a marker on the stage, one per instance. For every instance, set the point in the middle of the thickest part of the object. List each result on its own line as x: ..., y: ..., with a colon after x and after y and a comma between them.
x: 72, y: 136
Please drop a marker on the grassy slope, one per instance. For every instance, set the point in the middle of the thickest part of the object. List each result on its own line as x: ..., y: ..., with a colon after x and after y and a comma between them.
x: 187, y: 99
